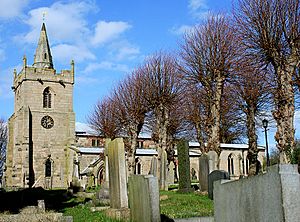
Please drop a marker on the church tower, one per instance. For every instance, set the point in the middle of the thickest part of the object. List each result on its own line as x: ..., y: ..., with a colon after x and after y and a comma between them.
x: 43, y: 124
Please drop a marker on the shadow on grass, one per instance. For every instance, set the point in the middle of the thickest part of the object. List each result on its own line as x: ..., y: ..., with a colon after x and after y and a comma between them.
x: 56, y: 200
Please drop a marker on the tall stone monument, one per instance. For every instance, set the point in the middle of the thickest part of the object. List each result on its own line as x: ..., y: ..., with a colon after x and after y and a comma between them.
x: 117, y: 174
x: 42, y: 126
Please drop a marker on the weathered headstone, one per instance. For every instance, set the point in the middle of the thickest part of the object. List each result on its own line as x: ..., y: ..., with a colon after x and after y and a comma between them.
x: 212, y: 160
x: 103, y: 193
x: 214, y: 176
x: 171, y: 173
x: 106, y: 178
x: 203, y: 172
x: 184, y: 166
x: 117, y: 174
x: 144, y: 198
x: 153, y: 167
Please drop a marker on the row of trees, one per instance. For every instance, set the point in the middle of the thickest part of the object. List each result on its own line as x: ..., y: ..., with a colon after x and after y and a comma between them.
x: 226, y: 73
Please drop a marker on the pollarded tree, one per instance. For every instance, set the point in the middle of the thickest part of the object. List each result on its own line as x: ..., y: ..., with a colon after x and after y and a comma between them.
x: 232, y: 128
x: 161, y: 88
x: 131, y: 110
x: 104, y: 120
x: 271, y: 30
x: 252, y: 93
x: 195, y: 107
x: 208, y: 54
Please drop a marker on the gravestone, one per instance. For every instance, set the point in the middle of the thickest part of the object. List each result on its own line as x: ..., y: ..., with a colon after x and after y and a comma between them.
x: 203, y: 172
x: 117, y: 180
x: 214, y: 176
x: 153, y: 167
x: 103, y: 193
x: 171, y: 173
x: 212, y: 160
x: 184, y: 166
x: 144, y: 198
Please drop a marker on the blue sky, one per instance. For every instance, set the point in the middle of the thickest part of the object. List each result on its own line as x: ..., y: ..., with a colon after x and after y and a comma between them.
x: 107, y: 39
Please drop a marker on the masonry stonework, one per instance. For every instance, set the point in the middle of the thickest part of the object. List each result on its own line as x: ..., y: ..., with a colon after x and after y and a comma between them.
x: 43, y: 124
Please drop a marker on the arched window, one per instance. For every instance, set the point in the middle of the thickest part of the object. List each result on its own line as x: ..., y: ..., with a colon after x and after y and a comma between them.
x: 230, y: 165
x: 47, y: 98
x: 45, y: 56
x: 48, y: 168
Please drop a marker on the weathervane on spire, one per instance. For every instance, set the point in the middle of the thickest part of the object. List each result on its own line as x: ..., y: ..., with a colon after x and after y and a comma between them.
x: 44, y: 15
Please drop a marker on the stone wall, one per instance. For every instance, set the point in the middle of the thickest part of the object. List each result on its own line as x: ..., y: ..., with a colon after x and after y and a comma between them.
x: 270, y: 197
x: 30, y: 144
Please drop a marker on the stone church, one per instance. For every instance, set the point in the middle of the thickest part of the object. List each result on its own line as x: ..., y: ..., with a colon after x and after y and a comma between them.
x: 42, y: 126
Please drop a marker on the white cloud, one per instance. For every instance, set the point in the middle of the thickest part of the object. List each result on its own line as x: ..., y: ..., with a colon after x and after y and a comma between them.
x: 181, y: 29
x: 64, y: 22
x: 195, y: 5
x: 65, y: 53
x: 123, y: 50
x: 128, y: 52
x: 12, y: 8
x: 107, y: 31
x: 198, y: 8
x: 106, y: 65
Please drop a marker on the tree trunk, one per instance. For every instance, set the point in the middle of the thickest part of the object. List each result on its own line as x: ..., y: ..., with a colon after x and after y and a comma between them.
x: 215, y: 118
x: 284, y: 115
x: 252, y: 140
x: 162, y: 119
x: 200, y: 139
x: 134, y: 130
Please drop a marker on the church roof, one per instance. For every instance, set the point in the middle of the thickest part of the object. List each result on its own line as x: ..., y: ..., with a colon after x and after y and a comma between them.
x: 43, y: 57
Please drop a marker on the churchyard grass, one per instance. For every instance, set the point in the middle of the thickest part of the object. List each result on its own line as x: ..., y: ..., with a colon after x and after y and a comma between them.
x: 183, y: 205
x: 82, y: 213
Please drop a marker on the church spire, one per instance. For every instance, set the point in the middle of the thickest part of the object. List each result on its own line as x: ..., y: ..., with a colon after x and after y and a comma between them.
x: 42, y: 57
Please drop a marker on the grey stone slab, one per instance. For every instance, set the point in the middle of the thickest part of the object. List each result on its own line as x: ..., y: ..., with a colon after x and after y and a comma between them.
x: 117, y: 174
x: 270, y: 197
x: 215, y: 176
x: 203, y: 172
x: 144, y: 198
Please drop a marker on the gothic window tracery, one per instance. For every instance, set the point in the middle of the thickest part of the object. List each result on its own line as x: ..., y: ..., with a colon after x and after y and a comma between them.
x: 47, y: 98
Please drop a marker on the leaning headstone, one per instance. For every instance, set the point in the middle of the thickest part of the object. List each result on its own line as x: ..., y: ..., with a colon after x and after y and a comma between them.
x: 212, y: 160
x: 171, y: 173
x: 144, y: 198
x: 184, y: 166
x: 214, y: 176
x: 153, y: 167
x: 203, y: 172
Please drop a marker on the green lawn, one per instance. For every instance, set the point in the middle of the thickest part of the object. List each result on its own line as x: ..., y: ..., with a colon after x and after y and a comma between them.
x: 174, y: 204
x: 181, y: 205
x: 82, y: 213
